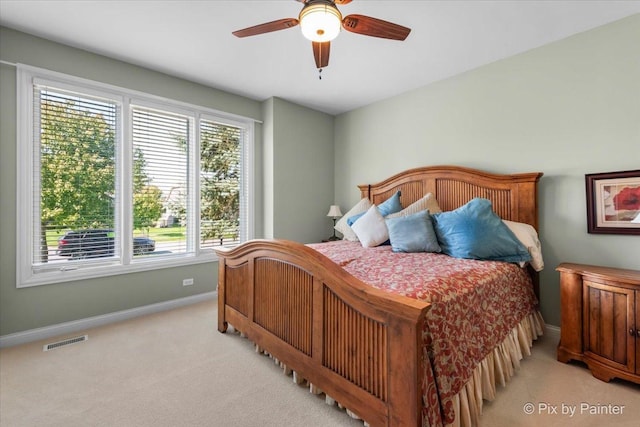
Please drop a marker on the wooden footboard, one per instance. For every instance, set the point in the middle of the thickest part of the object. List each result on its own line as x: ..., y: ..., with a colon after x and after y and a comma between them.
x: 359, y: 345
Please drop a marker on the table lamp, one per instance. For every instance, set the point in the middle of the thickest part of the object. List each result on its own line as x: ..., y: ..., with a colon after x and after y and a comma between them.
x: 334, y: 213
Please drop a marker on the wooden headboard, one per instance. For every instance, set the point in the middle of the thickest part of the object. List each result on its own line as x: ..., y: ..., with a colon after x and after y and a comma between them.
x: 513, y: 197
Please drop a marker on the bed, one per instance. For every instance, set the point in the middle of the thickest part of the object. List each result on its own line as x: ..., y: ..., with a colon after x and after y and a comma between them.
x: 386, y: 356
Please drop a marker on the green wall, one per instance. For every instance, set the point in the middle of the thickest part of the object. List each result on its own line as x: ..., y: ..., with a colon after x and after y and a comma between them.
x: 29, y: 308
x: 565, y: 109
x: 298, y: 172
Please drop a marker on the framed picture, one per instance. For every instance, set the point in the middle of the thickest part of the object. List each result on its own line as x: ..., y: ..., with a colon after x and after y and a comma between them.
x: 613, y: 202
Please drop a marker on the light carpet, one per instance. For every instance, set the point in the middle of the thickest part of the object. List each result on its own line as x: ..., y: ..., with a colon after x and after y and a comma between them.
x: 175, y: 369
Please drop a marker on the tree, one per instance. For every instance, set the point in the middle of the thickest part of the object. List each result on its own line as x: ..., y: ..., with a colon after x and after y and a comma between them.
x: 219, y: 182
x: 147, y: 207
x: 147, y: 199
x: 78, y: 169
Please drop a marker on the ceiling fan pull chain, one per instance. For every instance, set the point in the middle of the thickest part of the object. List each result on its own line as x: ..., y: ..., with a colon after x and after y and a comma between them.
x: 319, y: 73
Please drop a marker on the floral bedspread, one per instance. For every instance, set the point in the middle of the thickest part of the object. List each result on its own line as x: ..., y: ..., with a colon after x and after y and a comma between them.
x: 475, y: 304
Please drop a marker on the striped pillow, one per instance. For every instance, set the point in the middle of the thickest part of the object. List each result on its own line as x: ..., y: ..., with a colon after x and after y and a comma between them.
x: 341, y: 226
x: 427, y: 202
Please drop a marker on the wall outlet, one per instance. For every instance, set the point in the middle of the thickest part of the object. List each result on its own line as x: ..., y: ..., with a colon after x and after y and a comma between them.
x: 187, y: 282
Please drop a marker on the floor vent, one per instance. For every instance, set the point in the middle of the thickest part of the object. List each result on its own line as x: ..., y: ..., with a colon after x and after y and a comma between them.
x: 68, y: 341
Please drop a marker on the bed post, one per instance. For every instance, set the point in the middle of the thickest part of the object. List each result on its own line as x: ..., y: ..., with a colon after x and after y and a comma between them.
x: 405, y: 372
x: 222, y: 323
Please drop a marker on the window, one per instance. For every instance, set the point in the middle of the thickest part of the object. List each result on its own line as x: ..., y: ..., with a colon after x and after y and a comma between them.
x: 160, y: 174
x: 74, y: 169
x: 114, y: 181
x: 220, y: 169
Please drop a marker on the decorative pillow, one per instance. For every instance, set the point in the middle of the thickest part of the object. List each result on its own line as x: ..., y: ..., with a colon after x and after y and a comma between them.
x: 389, y: 206
x: 412, y: 233
x: 474, y: 231
x: 427, y: 202
x: 361, y: 207
x: 528, y: 236
x: 371, y: 228
x: 352, y: 219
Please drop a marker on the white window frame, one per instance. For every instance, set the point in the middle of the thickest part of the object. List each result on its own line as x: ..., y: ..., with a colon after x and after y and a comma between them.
x: 29, y: 275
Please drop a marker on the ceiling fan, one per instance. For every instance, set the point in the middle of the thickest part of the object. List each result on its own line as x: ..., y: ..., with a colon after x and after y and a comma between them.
x: 320, y: 21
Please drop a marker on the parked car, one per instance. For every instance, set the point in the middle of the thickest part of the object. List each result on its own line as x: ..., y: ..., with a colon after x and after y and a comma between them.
x: 97, y: 243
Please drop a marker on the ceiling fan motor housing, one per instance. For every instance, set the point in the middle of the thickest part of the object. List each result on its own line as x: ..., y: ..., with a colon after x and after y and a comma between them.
x: 320, y: 20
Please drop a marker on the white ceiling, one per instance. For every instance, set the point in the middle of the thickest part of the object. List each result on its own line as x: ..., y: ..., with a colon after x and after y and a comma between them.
x: 192, y: 40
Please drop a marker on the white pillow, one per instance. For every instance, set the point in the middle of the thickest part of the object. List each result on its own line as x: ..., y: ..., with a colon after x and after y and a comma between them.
x: 371, y: 228
x: 341, y: 226
x: 428, y: 201
x: 529, y: 238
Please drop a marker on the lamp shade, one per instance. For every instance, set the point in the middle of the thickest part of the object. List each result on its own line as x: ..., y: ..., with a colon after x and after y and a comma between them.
x: 334, y: 211
x: 320, y: 22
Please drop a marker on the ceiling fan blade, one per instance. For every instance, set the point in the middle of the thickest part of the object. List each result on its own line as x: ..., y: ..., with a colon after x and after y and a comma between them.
x: 280, y: 24
x: 321, y: 53
x: 374, y: 27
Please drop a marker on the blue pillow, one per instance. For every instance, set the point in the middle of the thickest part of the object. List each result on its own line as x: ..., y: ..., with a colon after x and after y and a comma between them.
x: 389, y: 206
x: 354, y: 218
x: 474, y: 231
x: 412, y: 233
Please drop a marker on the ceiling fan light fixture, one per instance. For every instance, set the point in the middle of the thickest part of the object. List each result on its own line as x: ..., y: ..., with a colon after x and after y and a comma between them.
x: 320, y: 21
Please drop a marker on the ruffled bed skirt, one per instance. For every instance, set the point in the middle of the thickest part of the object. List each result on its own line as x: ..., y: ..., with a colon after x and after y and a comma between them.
x: 497, y: 368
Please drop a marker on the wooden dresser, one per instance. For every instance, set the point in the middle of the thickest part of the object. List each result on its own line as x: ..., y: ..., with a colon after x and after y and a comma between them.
x: 600, y: 320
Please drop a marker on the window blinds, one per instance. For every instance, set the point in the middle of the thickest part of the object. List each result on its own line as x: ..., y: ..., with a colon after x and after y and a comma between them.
x: 161, y: 196
x: 221, y: 210
x: 74, y: 173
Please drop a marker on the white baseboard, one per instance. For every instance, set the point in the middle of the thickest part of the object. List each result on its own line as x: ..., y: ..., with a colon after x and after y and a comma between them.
x: 92, y: 322
x: 552, y: 330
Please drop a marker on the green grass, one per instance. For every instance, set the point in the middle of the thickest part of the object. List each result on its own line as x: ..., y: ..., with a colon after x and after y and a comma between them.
x: 168, y: 234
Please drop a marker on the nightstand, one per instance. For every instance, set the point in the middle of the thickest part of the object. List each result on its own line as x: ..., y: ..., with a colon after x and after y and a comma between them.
x: 600, y: 320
